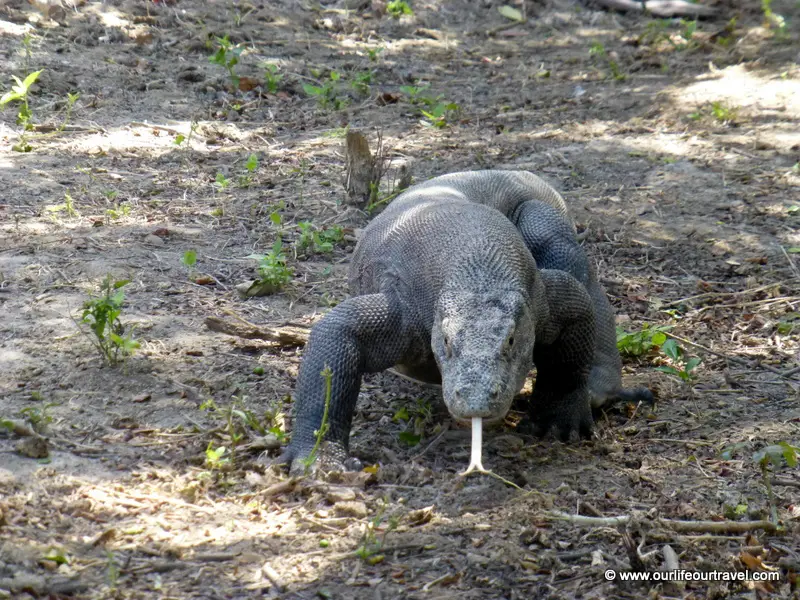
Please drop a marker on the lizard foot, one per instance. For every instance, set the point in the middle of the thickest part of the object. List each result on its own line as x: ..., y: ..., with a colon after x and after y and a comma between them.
x: 570, y: 416
x: 331, y: 458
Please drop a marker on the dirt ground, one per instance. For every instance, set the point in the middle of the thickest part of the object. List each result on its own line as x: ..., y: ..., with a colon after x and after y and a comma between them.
x: 677, y: 147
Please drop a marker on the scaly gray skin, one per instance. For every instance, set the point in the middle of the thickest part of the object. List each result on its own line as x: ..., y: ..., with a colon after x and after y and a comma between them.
x: 441, y: 284
x: 540, y: 214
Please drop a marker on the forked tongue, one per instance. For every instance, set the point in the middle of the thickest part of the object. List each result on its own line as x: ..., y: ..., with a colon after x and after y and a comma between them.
x: 475, y: 463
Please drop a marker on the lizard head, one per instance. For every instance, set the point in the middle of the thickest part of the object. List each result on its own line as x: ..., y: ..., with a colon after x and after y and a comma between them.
x: 483, y: 343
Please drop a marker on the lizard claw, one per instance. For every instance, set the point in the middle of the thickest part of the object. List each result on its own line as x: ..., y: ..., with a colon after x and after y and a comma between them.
x: 331, y: 458
x: 570, y: 416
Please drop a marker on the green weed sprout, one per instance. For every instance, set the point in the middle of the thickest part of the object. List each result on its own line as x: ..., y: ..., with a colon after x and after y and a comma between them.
x: 327, y: 375
x: 273, y: 77
x: 313, y: 240
x: 19, y: 93
x: 102, y: 314
x: 272, y: 270
x: 680, y: 367
x: 227, y: 55
x: 641, y: 342
x: 326, y: 92
x: 597, y: 49
x: 398, y: 8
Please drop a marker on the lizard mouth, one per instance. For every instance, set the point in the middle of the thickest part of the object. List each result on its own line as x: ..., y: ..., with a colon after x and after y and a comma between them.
x: 467, y: 421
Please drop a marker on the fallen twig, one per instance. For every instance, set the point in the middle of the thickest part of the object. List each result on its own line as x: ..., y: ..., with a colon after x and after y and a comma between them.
x: 678, y: 526
x: 661, y: 8
x: 735, y: 359
x: 288, y: 337
x: 721, y: 294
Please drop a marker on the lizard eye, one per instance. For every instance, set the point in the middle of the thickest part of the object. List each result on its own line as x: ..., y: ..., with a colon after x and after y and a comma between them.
x: 509, y: 342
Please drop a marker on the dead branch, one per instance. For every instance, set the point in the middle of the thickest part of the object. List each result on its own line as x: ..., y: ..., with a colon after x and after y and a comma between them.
x: 785, y: 375
x: 678, y: 526
x: 287, y: 337
x: 661, y: 8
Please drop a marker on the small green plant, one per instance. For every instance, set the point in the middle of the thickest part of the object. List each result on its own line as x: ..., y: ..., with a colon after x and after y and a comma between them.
x: 376, y: 199
x: 221, y: 181
x: 718, y: 110
x: 275, y: 423
x: 189, y: 260
x: 273, y: 77
x: 598, y: 50
x: 773, y: 20
x: 38, y: 416
x: 180, y: 138
x: 272, y: 270
x: 371, y: 545
x: 118, y: 210
x: 398, y: 8
x: 27, y: 45
x: 336, y: 132
x: 641, y: 342
x: 68, y: 207
x: 439, y: 115
x: 775, y: 456
x: 277, y: 220
x: 71, y: 100
x: 112, y: 570
x: 722, y: 112
x: 208, y: 405
x: 19, y: 93
x: 655, y: 31
x: 790, y: 322
x: 414, y: 92
x: 688, y: 29
x: 326, y: 92
x: 435, y: 109
x: 251, y: 166
x: 102, y: 315
x: 680, y: 366
x: 215, y: 457
x: 317, y: 241
x: 361, y: 83
x: 227, y: 56
x: 238, y: 418
x: 419, y: 417
x: 327, y: 375
x: 57, y: 556
x: 374, y: 53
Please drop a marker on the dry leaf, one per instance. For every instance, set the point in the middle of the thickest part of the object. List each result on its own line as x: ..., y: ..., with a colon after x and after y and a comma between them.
x: 247, y: 84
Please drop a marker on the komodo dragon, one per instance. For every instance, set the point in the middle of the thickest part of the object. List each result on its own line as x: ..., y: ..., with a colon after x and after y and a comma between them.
x: 541, y: 216
x: 445, y: 288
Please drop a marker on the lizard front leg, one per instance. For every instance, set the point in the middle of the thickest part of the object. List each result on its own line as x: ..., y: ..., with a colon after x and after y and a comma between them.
x: 563, y: 355
x: 364, y: 334
x: 552, y: 242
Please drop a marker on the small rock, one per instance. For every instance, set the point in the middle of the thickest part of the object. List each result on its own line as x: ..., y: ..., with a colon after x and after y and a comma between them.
x: 477, y: 559
x: 7, y: 479
x: 154, y: 240
x: 340, y: 494
x: 192, y: 75
x: 265, y: 442
x: 142, y: 398
x: 34, y: 447
x: 421, y: 516
x: 355, y: 509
